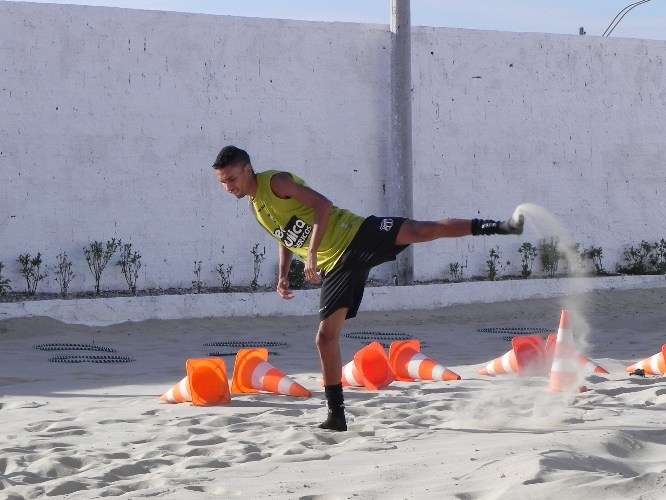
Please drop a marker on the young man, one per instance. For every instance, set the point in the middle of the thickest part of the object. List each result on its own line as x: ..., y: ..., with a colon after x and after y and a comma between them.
x: 338, y: 247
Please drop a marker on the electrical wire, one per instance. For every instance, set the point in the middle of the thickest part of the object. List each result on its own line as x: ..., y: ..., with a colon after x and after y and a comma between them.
x: 621, y: 15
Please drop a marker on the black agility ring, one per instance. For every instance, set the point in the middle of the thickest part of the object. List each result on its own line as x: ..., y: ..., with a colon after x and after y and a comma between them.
x: 518, y: 330
x: 223, y: 354
x: 509, y: 338
x: 91, y: 359
x: 73, y: 347
x: 245, y: 344
x: 377, y: 336
x: 386, y: 345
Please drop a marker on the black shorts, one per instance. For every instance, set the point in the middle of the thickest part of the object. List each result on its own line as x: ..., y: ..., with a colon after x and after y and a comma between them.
x: 374, y: 244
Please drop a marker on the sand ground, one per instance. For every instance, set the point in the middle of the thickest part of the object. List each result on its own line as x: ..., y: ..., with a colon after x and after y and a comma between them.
x: 91, y: 430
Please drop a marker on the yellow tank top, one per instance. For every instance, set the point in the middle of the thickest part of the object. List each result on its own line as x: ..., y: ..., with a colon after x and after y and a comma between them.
x: 290, y: 222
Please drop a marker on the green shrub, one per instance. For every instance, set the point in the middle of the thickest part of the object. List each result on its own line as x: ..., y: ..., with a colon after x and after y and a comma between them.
x: 197, y: 283
x: 637, y: 259
x: 494, y: 265
x: 658, y: 257
x: 550, y: 255
x: 130, y: 263
x: 456, y: 270
x: 225, y: 274
x: 4, y: 282
x: 63, y: 273
x: 258, y: 259
x: 595, y: 254
x: 30, y: 270
x: 528, y: 253
x: 98, y: 256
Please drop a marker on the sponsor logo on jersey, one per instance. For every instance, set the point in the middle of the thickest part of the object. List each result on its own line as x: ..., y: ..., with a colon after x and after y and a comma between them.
x: 295, y: 234
x: 386, y: 224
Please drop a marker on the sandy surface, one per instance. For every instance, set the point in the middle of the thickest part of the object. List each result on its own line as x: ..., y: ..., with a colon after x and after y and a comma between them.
x: 89, y: 430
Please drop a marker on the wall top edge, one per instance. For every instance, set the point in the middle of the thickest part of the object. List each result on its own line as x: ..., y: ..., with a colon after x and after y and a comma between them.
x: 9, y: 4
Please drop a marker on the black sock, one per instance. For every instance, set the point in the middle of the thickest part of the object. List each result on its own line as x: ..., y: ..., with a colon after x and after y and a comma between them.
x: 336, y: 420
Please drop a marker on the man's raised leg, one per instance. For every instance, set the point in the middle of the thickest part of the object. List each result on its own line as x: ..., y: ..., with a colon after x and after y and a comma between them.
x: 415, y: 231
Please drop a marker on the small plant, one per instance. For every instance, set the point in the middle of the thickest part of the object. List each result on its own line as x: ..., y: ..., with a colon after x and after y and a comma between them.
x: 637, y: 259
x: 63, y: 273
x: 197, y: 276
x: 225, y: 274
x: 4, y: 282
x: 130, y: 263
x: 528, y: 253
x: 258, y: 259
x: 658, y: 257
x: 550, y: 255
x: 574, y: 259
x: 98, y: 256
x: 595, y: 254
x: 296, y: 275
x: 494, y: 264
x: 30, y: 269
x: 456, y: 270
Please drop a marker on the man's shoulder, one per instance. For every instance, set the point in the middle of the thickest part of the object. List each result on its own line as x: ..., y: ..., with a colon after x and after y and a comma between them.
x: 269, y: 173
x: 281, y: 176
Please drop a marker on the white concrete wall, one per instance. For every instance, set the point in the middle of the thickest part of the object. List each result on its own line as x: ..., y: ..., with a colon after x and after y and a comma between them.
x: 111, y: 119
x: 572, y: 123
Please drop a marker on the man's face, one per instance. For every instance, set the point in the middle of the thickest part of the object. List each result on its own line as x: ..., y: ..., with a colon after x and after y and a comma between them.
x: 237, y: 179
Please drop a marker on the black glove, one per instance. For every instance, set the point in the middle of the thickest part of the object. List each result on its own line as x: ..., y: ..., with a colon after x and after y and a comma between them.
x: 486, y: 226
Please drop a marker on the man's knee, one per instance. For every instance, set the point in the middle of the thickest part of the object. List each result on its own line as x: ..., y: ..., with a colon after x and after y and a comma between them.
x: 330, y: 329
x: 325, y: 338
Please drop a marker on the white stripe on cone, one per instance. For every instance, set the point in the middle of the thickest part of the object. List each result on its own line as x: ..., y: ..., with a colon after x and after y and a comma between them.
x: 438, y: 372
x: 349, y: 375
x: 284, y: 386
x: 506, y: 363
x: 565, y: 365
x: 414, y: 364
x: 259, y: 373
x: 654, y: 363
x: 184, y: 390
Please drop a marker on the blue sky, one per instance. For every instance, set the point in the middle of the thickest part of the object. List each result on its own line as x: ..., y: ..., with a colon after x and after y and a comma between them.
x: 554, y: 16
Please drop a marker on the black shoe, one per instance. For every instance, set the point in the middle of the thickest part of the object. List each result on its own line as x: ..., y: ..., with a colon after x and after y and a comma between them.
x: 335, y: 422
x: 514, y: 225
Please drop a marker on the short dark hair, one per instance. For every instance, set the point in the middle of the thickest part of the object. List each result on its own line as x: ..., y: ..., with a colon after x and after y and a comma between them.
x: 231, y: 155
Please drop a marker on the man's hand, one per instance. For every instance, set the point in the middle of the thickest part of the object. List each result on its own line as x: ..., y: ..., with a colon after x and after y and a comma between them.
x: 283, y: 289
x: 284, y: 187
x: 310, y: 270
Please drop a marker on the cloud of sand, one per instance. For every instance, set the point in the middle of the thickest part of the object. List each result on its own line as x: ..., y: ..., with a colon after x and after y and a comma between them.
x: 540, y: 221
x: 525, y: 402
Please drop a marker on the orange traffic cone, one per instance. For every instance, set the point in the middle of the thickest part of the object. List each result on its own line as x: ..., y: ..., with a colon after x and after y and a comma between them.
x: 179, y: 393
x: 585, y: 364
x: 564, y: 370
x: 589, y: 366
x: 206, y: 384
x: 253, y: 373
x: 526, y: 358
x: 370, y: 368
x: 409, y: 364
x: 208, y: 381
x: 654, y: 365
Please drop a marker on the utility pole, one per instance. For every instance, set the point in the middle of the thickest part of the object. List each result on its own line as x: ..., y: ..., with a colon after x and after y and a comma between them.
x: 398, y: 180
